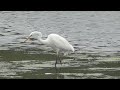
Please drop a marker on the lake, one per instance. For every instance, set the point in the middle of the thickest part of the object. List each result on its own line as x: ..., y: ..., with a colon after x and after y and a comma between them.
x: 95, y: 35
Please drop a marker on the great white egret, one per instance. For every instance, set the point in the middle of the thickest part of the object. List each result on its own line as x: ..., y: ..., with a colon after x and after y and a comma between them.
x: 55, y: 41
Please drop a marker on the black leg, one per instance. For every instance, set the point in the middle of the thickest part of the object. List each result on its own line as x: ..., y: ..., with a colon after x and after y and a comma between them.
x: 56, y: 61
x: 61, y: 62
x: 60, y: 59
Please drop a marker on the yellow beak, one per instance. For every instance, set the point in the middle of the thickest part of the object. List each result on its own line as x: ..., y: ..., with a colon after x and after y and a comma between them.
x: 27, y: 39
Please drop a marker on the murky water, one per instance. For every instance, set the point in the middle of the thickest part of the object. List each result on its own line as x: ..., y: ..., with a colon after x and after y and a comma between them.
x: 95, y: 36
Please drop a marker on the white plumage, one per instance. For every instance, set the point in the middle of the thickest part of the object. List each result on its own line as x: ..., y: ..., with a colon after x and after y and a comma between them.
x: 59, y: 43
x: 55, y: 41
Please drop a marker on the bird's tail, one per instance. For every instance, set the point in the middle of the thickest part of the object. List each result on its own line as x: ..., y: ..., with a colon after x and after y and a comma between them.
x: 72, y: 48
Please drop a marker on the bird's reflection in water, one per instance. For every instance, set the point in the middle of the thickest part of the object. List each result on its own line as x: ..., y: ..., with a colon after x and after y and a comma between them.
x: 57, y: 73
x: 58, y: 70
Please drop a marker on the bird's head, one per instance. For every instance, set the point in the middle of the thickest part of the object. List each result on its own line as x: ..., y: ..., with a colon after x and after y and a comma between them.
x: 34, y: 34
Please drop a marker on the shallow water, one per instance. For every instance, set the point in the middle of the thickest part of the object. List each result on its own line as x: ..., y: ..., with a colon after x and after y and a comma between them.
x: 94, y: 34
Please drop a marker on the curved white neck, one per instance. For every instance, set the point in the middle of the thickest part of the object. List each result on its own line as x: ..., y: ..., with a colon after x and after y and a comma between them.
x: 42, y: 41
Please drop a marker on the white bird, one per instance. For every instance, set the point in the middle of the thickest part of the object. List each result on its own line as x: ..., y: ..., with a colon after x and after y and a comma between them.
x: 55, y: 41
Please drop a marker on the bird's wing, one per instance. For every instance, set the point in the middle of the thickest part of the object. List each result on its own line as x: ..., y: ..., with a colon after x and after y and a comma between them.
x: 59, y: 42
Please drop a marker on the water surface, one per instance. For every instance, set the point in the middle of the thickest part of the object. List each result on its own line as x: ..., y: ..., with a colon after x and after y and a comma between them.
x: 94, y: 35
